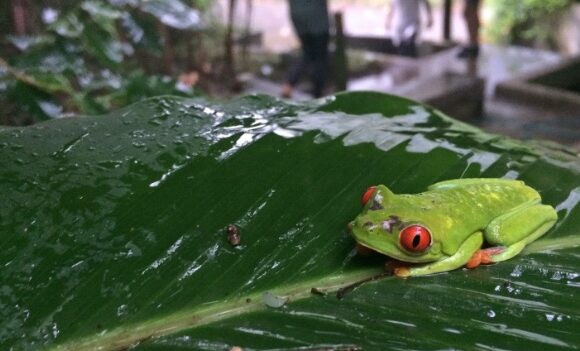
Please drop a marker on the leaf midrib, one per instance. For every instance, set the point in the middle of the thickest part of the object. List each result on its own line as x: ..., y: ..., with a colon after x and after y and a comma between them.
x: 122, y: 337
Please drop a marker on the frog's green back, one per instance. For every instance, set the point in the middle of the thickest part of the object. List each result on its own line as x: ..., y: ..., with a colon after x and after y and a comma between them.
x: 457, y: 208
x: 469, y: 182
x: 489, y: 195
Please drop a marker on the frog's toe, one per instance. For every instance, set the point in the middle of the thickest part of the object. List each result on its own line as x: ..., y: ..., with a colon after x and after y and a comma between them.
x: 392, y: 264
x: 487, y: 254
x: 484, y: 256
x: 475, y: 260
x: 402, y: 272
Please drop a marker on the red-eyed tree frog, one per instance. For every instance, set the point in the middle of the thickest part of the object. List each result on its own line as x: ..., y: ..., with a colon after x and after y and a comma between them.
x: 454, y: 223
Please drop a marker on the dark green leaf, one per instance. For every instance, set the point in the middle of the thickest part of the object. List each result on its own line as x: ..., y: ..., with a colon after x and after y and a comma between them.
x: 34, y: 101
x: 104, y: 46
x: 25, y: 42
x: 114, y: 230
x: 69, y: 26
x: 143, y: 31
x: 173, y: 13
x: 103, y: 16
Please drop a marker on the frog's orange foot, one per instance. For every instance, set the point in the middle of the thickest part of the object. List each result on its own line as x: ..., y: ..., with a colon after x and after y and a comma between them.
x: 402, y: 272
x: 475, y: 260
x: 487, y: 254
x: 398, y: 268
x: 484, y: 256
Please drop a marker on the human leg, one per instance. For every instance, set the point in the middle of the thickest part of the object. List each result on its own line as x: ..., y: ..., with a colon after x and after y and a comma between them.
x: 471, y: 15
x: 407, y: 45
x: 297, y: 70
x: 319, y: 59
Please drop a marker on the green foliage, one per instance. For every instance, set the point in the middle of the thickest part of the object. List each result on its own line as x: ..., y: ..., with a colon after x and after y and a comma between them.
x: 113, y: 230
x: 528, y: 22
x: 90, y: 59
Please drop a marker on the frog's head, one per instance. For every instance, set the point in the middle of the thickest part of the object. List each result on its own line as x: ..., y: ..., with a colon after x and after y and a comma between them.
x: 391, y: 227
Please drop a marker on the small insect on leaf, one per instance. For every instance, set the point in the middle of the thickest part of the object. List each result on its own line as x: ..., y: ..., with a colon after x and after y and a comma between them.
x: 233, y: 235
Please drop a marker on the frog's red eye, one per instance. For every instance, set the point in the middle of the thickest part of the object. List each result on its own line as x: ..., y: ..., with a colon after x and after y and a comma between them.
x: 367, y: 195
x: 415, y: 238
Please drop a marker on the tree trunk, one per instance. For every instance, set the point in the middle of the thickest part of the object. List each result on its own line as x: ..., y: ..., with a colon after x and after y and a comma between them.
x: 19, y: 17
x: 247, y: 32
x: 168, y: 54
x: 229, y: 63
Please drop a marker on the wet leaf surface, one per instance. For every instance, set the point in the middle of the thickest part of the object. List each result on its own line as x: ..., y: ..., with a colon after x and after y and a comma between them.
x: 114, y: 230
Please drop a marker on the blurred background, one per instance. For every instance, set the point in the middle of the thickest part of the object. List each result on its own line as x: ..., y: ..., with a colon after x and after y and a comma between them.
x: 511, y: 67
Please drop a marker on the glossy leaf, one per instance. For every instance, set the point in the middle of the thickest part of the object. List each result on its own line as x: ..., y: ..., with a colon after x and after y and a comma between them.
x: 69, y: 26
x: 60, y: 72
x: 173, y: 13
x: 114, y: 230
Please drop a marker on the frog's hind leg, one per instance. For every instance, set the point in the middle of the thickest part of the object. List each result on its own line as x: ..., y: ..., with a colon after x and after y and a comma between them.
x: 487, y: 256
x: 511, y: 232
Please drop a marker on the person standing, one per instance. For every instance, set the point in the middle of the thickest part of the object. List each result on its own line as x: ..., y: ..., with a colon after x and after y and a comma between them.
x: 405, y: 16
x: 311, y: 24
x: 471, y: 15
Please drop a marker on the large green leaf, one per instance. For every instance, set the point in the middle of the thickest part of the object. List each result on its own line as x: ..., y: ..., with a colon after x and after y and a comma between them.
x: 173, y: 13
x: 114, y: 230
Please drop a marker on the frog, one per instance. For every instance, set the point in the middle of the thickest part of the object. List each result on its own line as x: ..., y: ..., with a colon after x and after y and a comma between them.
x: 454, y: 223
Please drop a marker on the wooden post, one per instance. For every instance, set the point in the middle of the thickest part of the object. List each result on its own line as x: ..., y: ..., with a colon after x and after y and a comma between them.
x: 247, y: 33
x: 20, y: 17
x: 168, y: 56
x: 340, y: 62
x: 447, y: 20
x: 229, y: 63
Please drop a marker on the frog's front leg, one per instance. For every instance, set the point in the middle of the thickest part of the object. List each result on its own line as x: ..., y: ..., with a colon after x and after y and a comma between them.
x: 511, y: 232
x: 463, y: 254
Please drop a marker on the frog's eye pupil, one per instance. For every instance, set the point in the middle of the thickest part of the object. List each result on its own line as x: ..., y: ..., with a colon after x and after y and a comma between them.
x: 367, y: 195
x: 415, y: 238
